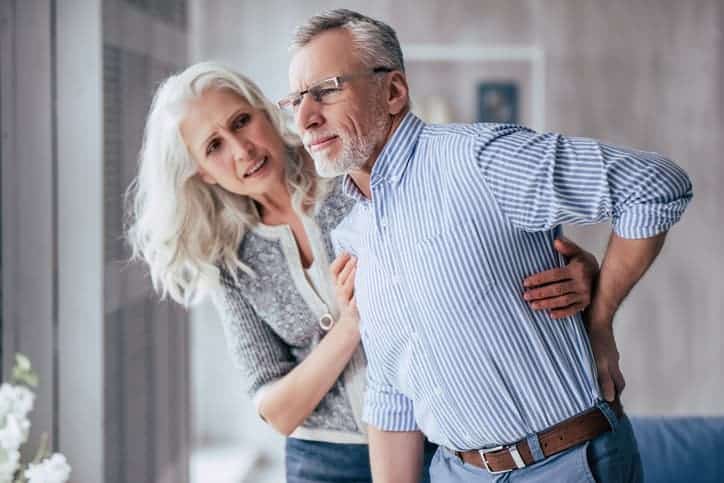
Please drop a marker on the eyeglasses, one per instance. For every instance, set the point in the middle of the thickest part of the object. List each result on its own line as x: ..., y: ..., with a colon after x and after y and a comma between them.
x: 324, y: 90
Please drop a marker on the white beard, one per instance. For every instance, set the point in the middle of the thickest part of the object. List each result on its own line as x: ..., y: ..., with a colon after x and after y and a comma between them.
x: 356, y: 151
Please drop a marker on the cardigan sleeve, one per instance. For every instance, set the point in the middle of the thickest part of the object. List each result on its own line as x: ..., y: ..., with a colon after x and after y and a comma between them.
x: 260, y: 354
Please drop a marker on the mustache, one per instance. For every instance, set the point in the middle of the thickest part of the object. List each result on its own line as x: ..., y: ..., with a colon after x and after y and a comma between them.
x: 309, y: 139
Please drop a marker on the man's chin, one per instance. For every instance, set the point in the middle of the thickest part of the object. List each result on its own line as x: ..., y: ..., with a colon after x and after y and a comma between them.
x: 327, y: 169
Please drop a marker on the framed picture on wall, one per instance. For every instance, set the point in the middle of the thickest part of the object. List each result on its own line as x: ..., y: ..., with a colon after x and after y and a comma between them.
x: 498, y: 102
x: 474, y: 83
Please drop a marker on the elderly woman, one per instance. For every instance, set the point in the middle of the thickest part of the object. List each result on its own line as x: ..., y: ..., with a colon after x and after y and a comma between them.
x: 227, y: 204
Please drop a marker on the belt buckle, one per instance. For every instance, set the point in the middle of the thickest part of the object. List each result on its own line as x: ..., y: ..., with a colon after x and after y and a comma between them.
x: 484, y: 452
x: 512, y: 449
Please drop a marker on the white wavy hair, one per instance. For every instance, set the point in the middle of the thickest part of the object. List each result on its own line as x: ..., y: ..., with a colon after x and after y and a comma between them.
x: 183, y: 228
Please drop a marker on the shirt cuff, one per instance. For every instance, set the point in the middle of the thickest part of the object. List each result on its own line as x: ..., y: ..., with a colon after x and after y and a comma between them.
x: 646, y: 221
x: 388, y: 410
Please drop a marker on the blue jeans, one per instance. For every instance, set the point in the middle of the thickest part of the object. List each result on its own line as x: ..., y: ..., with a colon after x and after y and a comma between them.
x: 612, y: 457
x: 318, y: 462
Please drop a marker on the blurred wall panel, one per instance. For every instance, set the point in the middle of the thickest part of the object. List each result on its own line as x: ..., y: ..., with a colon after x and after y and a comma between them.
x: 29, y: 242
x: 144, y: 41
x: 76, y: 81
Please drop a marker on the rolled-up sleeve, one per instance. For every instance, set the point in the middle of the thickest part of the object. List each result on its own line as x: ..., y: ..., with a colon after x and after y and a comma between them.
x: 544, y: 180
x: 385, y: 407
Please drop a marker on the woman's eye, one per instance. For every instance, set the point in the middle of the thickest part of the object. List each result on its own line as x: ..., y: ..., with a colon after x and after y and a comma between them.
x: 213, y: 146
x: 241, y: 121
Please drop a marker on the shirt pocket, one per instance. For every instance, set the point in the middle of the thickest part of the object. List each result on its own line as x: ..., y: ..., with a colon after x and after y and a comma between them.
x: 454, y: 266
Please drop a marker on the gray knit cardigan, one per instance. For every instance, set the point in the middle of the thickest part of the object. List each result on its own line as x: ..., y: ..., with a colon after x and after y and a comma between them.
x: 271, y: 320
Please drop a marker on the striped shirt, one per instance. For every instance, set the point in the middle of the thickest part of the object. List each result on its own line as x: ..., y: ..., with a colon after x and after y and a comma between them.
x: 459, y: 216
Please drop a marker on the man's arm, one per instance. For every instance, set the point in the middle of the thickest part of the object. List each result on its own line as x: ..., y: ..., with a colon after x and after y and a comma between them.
x: 624, y: 263
x: 395, y: 456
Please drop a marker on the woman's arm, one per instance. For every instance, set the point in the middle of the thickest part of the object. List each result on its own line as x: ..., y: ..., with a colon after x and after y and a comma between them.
x: 288, y: 401
x: 564, y: 291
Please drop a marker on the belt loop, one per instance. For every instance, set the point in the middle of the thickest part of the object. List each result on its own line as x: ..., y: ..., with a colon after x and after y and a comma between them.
x: 535, y: 449
x: 607, y: 411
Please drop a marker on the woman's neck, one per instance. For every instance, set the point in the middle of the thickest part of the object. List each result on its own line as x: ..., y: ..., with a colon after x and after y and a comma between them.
x: 274, y: 206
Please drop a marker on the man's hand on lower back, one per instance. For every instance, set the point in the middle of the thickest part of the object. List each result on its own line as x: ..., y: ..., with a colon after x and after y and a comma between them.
x: 603, y: 344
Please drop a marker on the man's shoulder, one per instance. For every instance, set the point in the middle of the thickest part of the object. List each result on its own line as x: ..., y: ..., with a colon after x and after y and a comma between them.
x: 464, y: 141
x: 468, y: 131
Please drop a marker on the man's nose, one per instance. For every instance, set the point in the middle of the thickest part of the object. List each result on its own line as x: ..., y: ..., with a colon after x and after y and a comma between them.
x: 308, y: 115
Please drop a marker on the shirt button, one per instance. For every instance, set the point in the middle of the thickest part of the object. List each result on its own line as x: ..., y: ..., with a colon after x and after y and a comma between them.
x: 438, y: 391
x: 383, y: 223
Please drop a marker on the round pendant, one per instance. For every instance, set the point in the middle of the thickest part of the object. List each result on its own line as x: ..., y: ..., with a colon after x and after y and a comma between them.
x: 326, y: 322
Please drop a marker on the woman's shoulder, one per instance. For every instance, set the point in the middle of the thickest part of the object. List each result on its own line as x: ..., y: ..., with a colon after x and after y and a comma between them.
x: 334, y: 206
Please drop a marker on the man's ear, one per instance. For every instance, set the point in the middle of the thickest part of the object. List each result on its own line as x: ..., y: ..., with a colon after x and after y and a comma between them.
x: 398, y: 93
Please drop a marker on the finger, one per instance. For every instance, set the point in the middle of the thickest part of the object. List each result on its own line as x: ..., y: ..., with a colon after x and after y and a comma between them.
x: 567, y: 311
x: 344, y: 273
x: 552, y: 290
x: 606, y: 384
x: 349, y: 276
x: 338, y: 264
x: 549, y: 276
x: 348, y: 285
x: 566, y: 247
x: 556, y: 302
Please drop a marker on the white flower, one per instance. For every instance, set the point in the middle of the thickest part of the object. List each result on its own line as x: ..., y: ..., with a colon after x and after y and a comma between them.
x: 8, y: 465
x: 51, y: 470
x: 7, y: 398
x: 24, y: 400
x: 14, y: 432
x: 18, y: 400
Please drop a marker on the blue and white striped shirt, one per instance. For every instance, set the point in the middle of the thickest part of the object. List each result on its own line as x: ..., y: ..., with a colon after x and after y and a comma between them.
x: 459, y: 216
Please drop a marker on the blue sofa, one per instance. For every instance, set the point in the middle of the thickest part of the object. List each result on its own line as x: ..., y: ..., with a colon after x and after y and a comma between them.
x: 681, y: 449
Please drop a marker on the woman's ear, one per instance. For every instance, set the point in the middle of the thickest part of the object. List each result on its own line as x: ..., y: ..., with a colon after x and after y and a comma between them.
x: 205, y: 176
x: 398, y: 93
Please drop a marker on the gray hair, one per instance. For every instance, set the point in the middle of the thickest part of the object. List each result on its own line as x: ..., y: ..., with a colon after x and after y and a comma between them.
x: 183, y: 228
x: 376, y: 42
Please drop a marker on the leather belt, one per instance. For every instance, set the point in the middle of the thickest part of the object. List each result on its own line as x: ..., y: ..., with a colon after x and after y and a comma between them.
x: 564, y: 435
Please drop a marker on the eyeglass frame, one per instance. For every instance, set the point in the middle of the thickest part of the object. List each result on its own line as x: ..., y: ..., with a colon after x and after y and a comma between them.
x: 286, y: 104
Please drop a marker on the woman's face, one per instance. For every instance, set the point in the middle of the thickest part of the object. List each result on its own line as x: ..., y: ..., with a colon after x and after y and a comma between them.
x: 234, y: 144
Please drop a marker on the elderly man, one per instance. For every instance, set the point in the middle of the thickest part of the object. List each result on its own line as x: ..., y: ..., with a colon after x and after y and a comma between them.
x: 456, y: 215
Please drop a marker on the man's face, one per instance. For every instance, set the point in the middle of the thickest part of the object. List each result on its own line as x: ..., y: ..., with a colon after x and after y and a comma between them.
x: 348, y: 129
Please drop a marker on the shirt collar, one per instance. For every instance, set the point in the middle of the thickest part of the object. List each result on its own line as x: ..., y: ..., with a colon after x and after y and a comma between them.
x: 350, y: 189
x: 394, y: 158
